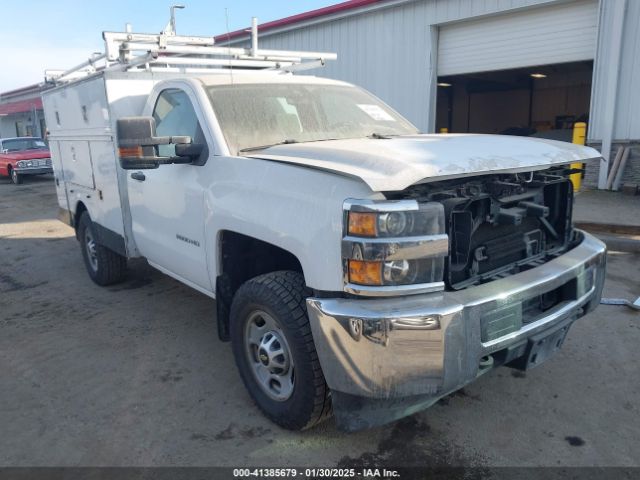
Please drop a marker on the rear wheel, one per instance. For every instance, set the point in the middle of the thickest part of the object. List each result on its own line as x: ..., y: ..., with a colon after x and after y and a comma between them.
x: 105, y: 267
x: 16, y: 178
x: 275, y: 353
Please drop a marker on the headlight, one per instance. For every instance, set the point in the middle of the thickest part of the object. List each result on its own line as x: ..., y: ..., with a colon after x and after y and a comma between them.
x: 22, y: 164
x: 394, y: 224
x: 423, y: 219
x: 394, y: 247
x: 399, y: 272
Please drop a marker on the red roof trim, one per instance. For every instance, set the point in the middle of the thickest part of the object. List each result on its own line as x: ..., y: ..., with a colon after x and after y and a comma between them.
x: 21, y: 106
x: 301, y: 17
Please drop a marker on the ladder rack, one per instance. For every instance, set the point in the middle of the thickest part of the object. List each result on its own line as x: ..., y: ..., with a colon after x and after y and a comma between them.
x: 167, y: 51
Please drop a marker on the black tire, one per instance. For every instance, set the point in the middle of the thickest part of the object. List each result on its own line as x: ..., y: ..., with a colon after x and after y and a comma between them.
x: 282, y: 295
x: 16, y: 178
x: 105, y: 267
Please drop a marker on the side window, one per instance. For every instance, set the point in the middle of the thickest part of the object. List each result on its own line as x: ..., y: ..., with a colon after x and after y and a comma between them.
x: 174, y: 115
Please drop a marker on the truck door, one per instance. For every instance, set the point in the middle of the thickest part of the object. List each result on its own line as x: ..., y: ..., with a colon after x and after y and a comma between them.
x: 167, y: 203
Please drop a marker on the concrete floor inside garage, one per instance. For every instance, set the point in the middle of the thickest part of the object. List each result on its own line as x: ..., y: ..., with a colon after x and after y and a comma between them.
x: 134, y: 375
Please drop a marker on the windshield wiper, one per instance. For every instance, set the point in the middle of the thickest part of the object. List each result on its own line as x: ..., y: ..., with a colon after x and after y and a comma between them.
x: 382, y: 136
x: 262, y: 147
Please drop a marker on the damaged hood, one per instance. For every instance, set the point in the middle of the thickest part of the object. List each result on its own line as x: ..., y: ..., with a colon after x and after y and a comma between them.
x: 395, y: 163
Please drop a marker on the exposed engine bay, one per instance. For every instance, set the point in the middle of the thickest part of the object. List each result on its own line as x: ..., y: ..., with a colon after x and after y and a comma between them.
x: 502, y: 224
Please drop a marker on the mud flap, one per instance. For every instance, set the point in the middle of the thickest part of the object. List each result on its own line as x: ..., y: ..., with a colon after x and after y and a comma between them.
x: 224, y: 296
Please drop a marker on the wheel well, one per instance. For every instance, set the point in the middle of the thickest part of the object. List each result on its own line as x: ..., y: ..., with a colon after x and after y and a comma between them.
x: 80, y: 209
x: 242, y: 258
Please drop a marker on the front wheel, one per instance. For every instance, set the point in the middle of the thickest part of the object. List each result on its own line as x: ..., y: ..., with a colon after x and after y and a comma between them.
x: 105, y: 267
x: 274, y: 350
x: 16, y: 178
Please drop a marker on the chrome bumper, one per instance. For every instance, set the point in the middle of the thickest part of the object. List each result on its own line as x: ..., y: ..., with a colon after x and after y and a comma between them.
x: 432, y: 344
x: 33, y: 170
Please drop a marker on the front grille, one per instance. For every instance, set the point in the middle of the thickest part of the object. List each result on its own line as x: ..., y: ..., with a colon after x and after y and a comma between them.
x: 505, y: 245
x: 499, y: 225
x: 493, y: 236
x: 37, y: 162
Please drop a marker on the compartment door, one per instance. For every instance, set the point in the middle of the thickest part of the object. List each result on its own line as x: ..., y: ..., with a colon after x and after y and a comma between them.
x: 58, y: 171
x: 78, y: 166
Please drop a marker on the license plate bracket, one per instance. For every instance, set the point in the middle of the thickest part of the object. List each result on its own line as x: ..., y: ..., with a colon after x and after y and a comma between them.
x: 544, y: 344
x: 541, y: 346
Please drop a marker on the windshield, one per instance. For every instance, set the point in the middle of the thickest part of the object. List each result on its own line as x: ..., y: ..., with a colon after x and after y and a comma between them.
x: 19, y: 144
x: 253, y: 116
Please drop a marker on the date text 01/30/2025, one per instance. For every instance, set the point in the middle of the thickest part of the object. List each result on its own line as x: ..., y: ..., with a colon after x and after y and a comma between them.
x: 315, y: 473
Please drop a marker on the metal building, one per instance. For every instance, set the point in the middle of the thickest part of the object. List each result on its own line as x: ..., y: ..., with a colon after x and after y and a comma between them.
x: 21, y: 113
x: 531, y: 67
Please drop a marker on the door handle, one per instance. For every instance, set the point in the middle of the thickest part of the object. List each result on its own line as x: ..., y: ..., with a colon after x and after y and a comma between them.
x: 138, y: 176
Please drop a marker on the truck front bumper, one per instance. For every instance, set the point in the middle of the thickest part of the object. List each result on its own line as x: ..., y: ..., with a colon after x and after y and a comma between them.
x: 387, y: 358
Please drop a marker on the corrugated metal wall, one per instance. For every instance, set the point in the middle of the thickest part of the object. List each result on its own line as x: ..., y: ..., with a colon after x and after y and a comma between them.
x: 627, y: 101
x: 627, y: 124
x: 390, y: 51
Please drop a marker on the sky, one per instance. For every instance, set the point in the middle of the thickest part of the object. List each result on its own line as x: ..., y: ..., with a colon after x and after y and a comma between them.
x: 57, y: 34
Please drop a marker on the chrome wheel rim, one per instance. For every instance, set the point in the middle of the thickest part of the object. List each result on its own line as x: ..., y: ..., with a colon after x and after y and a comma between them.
x: 269, y: 356
x: 90, y: 246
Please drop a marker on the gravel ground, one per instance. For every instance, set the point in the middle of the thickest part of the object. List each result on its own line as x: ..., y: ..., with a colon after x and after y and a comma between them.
x: 134, y: 375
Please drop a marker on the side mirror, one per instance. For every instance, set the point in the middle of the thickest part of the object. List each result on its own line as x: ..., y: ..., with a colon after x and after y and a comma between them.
x: 137, y: 144
x: 189, y: 150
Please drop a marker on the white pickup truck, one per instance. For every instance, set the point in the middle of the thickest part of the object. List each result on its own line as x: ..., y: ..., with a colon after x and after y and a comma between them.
x: 358, y: 266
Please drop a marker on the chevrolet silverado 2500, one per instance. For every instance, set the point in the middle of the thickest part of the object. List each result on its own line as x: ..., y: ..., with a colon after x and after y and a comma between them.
x: 358, y: 266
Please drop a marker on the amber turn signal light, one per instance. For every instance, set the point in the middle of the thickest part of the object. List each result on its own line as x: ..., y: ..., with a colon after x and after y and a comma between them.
x: 363, y: 224
x: 135, y: 152
x: 365, y: 273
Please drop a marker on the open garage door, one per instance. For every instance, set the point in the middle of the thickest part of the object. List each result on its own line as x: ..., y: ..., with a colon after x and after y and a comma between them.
x: 544, y: 101
x: 539, y: 36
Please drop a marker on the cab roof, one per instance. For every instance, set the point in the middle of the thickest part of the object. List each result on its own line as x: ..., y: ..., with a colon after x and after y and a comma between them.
x: 261, y: 77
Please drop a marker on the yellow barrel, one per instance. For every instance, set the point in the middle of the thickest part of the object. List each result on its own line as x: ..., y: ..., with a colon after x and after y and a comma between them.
x: 579, y: 135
